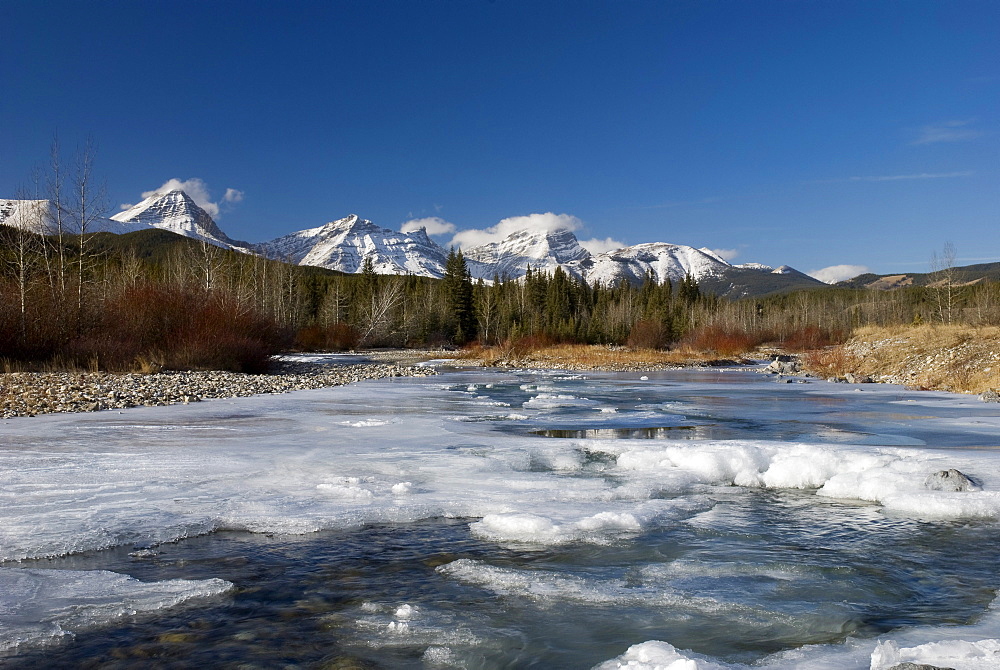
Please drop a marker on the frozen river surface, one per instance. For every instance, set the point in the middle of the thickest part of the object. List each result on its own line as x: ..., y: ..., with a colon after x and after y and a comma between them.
x: 690, y: 520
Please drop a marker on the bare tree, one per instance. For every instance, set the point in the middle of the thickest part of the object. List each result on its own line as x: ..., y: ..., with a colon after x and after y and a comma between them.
x: 131, y: 269
x: 380, y: 305
x: 55, y: 189
x: 88, y: 206
x: 943, y: 270
x: 334, y: 305
x: 208, y: 261
x: 26, y: 247
x: 487, y: 308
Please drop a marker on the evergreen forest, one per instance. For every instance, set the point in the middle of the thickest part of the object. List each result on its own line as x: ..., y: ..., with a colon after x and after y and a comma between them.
x: 154, y: 300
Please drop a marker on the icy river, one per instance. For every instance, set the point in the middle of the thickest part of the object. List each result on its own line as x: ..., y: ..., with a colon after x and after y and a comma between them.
x: 690, y: 520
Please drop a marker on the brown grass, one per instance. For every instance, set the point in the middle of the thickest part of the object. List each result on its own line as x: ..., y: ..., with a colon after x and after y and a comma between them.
x: 947, y: 357
x: 833, y: 361
x: 585, y: 356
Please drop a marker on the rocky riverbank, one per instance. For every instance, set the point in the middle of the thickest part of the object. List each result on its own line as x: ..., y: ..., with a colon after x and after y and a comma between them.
x: 960, y: 359
x: 32, y: 393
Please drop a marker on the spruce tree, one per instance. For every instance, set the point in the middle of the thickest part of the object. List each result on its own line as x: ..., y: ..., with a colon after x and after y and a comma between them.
x: 459, y: 294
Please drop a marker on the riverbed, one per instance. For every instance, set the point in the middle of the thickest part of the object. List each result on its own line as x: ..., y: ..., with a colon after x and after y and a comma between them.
x: 516, y: 518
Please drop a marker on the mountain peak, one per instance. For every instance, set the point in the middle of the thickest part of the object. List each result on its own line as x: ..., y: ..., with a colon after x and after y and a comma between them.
x: 177, y: 212
x: 540, y: 248
x: 789, y: 271
x: 344, y: 245
x: 349, y: 222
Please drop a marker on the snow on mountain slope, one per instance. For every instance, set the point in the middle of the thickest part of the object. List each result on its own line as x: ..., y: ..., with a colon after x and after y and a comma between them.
x: 789, y: 271
x: 510, y: 257
x: 664, y: 261
x: 713, y: 254
x: 38, y: 216
x: 177, y: 212
x: 344, y: 244
x: 33, y: 215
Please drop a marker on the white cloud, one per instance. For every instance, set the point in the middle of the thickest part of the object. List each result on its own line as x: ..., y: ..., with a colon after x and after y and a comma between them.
x: 434, y: 225
x: 898, y: 177
x: 948, y: 131
x: 597, y: 246
x: 726, y: 254
x: 922, y: 175
x: 198, y: 191
x: 836, y: 273
x: 467, y: 239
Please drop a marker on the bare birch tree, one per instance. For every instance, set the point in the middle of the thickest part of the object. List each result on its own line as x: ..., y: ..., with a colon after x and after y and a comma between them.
x: 380, y: 305
x: 25, y: 247
x: 57, y: 197
x: 943, y: 270
x: 208, y: 261
x: 89, y: 204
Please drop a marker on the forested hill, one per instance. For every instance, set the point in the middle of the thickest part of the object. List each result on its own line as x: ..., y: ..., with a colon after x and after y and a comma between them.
x: 152, y: 299
x: 959, y: 275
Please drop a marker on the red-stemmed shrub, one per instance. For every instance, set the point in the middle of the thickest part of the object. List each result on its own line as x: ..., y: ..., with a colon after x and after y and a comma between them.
x: 649, y: 334
x: 723, y: 341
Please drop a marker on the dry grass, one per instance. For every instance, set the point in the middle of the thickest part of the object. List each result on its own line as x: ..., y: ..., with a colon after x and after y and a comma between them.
x: 585, y: 357
x: 833, y: 361
x: 953, y: 358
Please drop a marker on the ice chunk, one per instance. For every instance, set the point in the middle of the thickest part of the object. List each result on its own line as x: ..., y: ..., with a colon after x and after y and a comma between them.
x: 655, y: 655
x: 402, y: 488
x: 981, y: 655
x: 39, y: 606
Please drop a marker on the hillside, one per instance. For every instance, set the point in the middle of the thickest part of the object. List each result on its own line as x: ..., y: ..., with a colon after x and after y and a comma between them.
x: 736, y: 282
x: 957, y: 358
x: 962, y: 275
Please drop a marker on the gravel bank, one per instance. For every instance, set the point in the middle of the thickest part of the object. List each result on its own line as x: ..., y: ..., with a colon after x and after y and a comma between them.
x: 545, y: 362
x: 31, y: 393
x: 955, y: 358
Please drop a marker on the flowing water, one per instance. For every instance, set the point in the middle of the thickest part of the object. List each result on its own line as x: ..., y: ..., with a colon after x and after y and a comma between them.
x: 507, y: 519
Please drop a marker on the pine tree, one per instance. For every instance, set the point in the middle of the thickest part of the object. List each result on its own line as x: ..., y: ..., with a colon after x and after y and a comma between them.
x: 459, y: 294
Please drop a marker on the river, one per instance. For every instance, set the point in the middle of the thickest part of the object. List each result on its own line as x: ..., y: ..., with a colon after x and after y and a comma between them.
x: 697, y: 519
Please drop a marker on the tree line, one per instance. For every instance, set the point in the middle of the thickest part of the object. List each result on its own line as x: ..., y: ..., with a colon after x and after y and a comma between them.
x: 151, y: 299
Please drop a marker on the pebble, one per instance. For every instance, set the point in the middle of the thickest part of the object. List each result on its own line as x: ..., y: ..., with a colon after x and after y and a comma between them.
x: 32, y: 393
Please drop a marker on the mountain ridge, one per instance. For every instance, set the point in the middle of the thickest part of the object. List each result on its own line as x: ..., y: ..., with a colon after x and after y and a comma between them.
x: 177, y: 212
x: 344, y: 244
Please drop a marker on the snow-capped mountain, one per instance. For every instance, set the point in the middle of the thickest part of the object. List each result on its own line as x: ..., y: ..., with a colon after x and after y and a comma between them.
x: 33, y: 215
x: 661, y: 260
x: 177, y: 212
x: 510, y: 257
x: 39, y: 216
x: 344, y: 244
x: 713, y: 254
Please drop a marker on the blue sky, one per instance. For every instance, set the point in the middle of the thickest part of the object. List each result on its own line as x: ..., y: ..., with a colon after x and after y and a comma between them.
x: 813, y: 134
